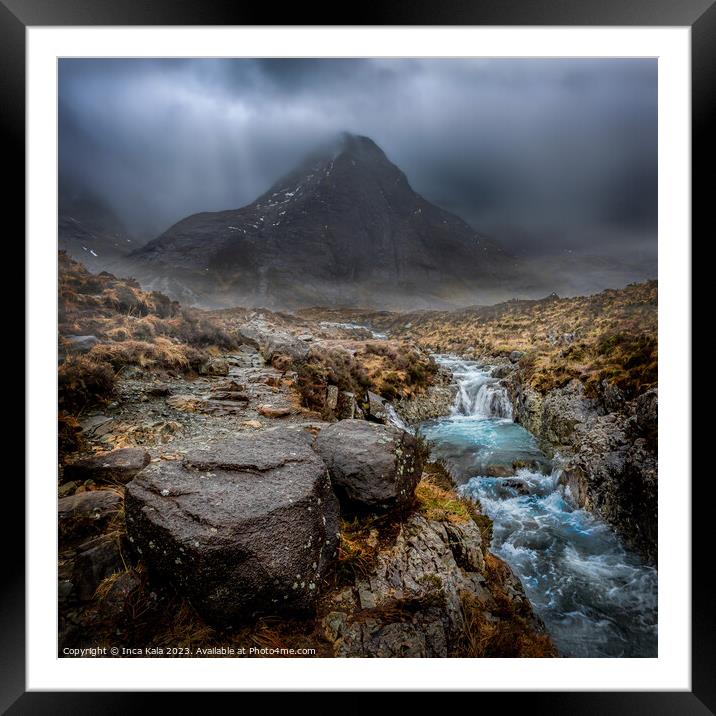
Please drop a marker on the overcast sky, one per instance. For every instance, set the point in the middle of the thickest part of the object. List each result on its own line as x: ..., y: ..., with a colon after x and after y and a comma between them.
x: 543, y: 155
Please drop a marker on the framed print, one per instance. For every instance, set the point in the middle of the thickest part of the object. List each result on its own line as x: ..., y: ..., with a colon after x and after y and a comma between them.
x: 355, y: 353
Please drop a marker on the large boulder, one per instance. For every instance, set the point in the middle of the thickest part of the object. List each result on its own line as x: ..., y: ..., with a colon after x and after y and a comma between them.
x: 249, y: 526
x: 273, y: 344
x: 285, y: 344
x: 434, y: 402
x: 115, y: 467
x: 372, y: 466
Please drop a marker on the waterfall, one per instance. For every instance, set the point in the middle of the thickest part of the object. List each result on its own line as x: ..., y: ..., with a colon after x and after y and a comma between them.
x: 480, y: 395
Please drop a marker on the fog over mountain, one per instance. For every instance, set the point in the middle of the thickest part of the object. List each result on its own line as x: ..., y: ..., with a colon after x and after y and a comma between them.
x: 554, y: 159
x: 344, y: 228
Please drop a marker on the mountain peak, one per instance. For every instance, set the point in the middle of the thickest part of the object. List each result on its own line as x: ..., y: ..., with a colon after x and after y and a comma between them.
x: 344, y: 227
x: 361, y: 147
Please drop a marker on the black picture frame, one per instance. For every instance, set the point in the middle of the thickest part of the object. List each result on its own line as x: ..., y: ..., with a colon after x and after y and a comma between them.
x: 699, y: 15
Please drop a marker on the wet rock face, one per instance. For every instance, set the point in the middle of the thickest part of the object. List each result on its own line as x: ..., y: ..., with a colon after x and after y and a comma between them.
x: 410, y: 604
x: 614, y: 474
x: 553, y: 417
x: 608, y: 450
x: 502, y: 371
x: 562, y: 410
x: 372, y: 466
x: 647, y: 407
x: 115, y: 467
x: 250, y: 526
x: 436, y: 401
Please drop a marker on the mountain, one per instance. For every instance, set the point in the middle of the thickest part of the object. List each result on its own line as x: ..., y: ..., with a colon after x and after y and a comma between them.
x: 344, y: 228
x: 90, y: 231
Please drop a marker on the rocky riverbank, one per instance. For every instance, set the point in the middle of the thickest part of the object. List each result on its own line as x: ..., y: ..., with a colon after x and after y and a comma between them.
x: 246, y: 542
x: 607, y: 448
x: 238, y: 479
x: 582, y: 377
x: 436, y: 400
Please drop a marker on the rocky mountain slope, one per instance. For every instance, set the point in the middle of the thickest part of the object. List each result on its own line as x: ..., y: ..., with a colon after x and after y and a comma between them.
x: 345, y: 227
x: 88, y: 230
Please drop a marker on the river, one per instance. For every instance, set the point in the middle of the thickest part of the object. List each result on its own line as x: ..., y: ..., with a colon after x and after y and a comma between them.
x: 597, y: 598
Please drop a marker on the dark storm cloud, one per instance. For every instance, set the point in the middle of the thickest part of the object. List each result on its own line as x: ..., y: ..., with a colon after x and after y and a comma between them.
x: 542, y: 154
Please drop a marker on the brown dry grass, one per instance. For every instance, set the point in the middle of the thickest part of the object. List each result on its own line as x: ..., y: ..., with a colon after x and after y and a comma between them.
x: 436, y: 503
x: 608, y: 336
x: 512, y: 634
x: 135, y: 328
x: 357, y: 548
x: 392, y: 369
x: 84, y: 381
x: 161, y: 353
x: 437, y: 499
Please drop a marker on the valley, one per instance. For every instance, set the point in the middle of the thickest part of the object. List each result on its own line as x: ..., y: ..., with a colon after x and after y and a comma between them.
x: 355, y: 482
